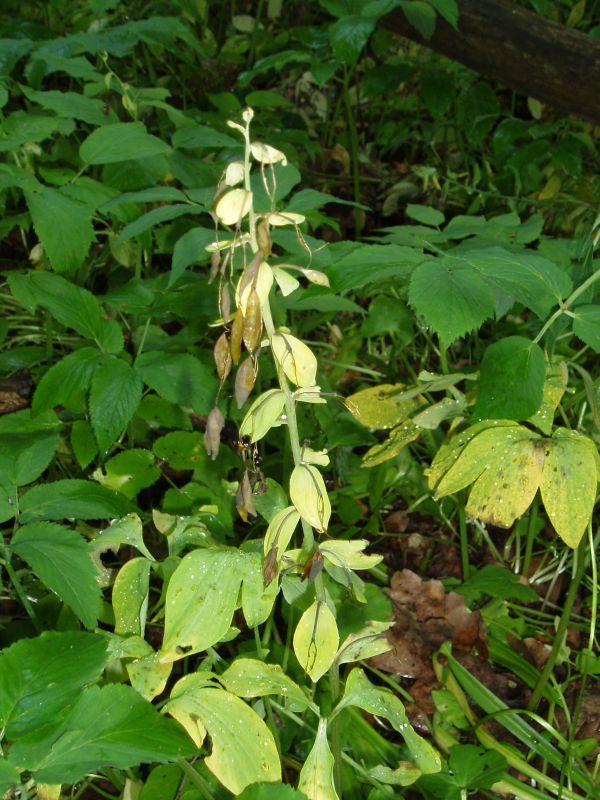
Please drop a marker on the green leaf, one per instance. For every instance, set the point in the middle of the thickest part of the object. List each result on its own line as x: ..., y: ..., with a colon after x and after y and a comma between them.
x: 270, y: 791
x: 61, y: 558
x: 9, y: 776
x: 122, y: 141
x: 123, y: 531
x: 83, y: 442
x: 420, y: 15
x: 72, y: 105
x: 180, y: 378
x: 316, y: 776
x: 569, y: 483
x: 75, y: 308
x: 30, y: 452
x: 63, y: 226
x: 448, y: 9
x: 110, y: 726
x: 476, y: 768
x: 40, y: 678
x: 66, y: 382
x: 188, y: 250
x: 451, y: 298
x: 130, y: 597
x: 247, y: 678
x: 130, y: 471
x: 586, y: 325
x: 366, y: 643
x: 495, y: 581
x: 115, y: 395
x: 426, y: 215
x: 349, y: 35
x: 360, y: 265
x: 72, y: 499
x: 192, y: 137
x: 201, y: 598
x: 382, y: 703
x: 162, y: 783
x: 155, y: 217
x: 316, y: 640
x: 511, y: 380
x: 243, y: 749
x: 182, y: 449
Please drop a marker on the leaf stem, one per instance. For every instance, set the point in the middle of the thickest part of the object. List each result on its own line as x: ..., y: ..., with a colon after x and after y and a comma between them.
x: 564, y: 307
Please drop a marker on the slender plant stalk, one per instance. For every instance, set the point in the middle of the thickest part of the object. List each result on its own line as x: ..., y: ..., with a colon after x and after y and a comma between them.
x: 580, y: 563
x: 564, y: 307
x: 354, y: 155
x: 530, y: 535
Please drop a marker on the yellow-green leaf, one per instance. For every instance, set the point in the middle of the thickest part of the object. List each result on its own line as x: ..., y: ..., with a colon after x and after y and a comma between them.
x: 280, y: 530
x: 263, y: 414
x: 309, y: 495
x: 296, y: 359
x: 397, y: 441
x: 378, y: 407
x: 316, y: 776
x: 233, y: 206
x: 316, y: 640
x: 569, y: 483
x: 349, y: 554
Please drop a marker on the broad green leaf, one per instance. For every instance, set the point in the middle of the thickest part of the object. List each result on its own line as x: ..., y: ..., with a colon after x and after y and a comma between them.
x: 40, y: 678
x: 63, y: 227
x: 121, y: 141
x: 83, y: 441
x: 115, y: 395
x: 110, y: 726
x: 404, y: 775
x: 182, y: 450
x: 66, y: 382
x: 508, y: 483
x: 130, y: 597
x: 496, y: 581
x: 349, y: 35
x: 349, y: 554
x: 129, y: 472
x: 511, y: 380
x: 358, y: 265
x: 381, y: 406
x: 149, y: 675
x: 426, y: 215
x: 270, y: 791
x: 316, y: 776
x: 180, y: 378
x: 20, y: 127
x: 316, y: 640
x: 188, y: 250
x: 192, y: 137
x: 9, y: 776
x: 569, y: 483
x: 248, y: 677
x: 243, y: 749
x: 159, y: 413
x: 72, y: 499
x: 370, y: 641
x: 201, y: 598
x: 451, y: 297
x: 30, y: 452
x: 61, y: 558
x: 257, y: 599
x: 475, y: 768
x: 586, y: 325
x: 155, y: 217
x: 75, y: 308
x: 309, y: 495
x: 123, y: 531
x: 555, y: 385
x: 448, y: 9
x: 162, y: 783
x: 72, y: 105
x: 420, y: 15
x: 382, y: 703
x: 398, y: 439
x: 471, y: 452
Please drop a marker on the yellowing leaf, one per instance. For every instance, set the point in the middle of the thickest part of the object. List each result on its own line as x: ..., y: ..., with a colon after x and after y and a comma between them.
x: 233, y: 206
x: 296, y: 359
x: 507, y: 486
x: 267, y: 154
x: 280, y: 530
x: 569, y: 483
x: 349, y: 554
x: 379, y: 407
x: 263, y: 414
x: 284, y: 218
x: 309, y: 495
x: 316, y: 776
x: 370, y: 641
x: 316, y: 640
x: 398, y: 439
x: 557, y: 378
x: 285, y: 281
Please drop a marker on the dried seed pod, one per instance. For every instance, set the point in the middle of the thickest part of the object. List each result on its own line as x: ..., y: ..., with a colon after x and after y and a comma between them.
x: 236, y: 336
x: 261, y: 283
x: 252, y: 327
x: 215, y: 422
x: 215, y: 263
x: 244, y: 381
x: 270, y: 566
x: 224, y: 302
x: 222, y: 356
x: 263, y: 237
x: 243, y: 498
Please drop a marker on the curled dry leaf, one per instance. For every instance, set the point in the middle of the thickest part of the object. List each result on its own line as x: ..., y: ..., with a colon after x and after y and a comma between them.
x: 252, y: 326
x: 263, y: 237
x: 222, y: 356
x: 244, y: 502
x: 277, y: 219
x: 244, y: 381
x: 215, y: 422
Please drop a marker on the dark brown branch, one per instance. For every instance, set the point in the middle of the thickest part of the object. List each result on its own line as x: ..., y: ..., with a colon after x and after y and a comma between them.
x: 525, y: 52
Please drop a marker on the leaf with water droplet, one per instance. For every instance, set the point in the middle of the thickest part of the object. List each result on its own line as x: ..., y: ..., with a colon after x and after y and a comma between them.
x: 316, y: 776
